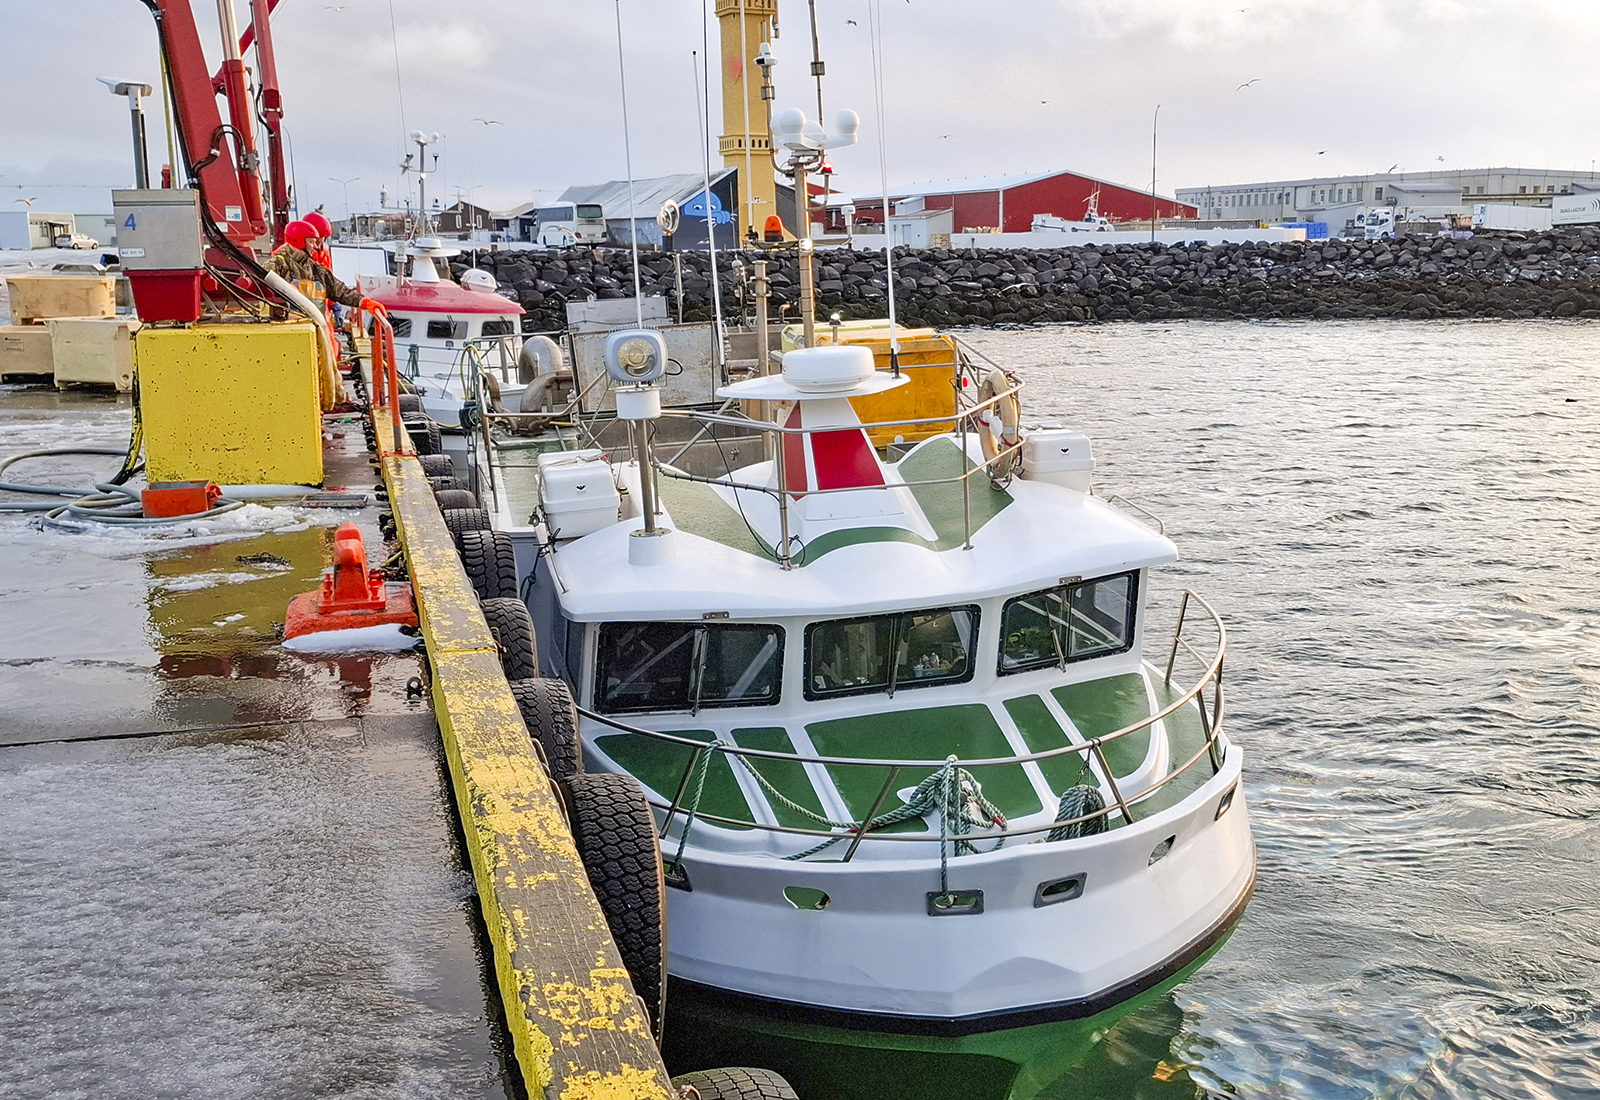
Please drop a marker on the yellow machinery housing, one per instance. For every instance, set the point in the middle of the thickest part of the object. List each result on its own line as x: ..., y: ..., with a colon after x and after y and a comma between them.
x: 927, y: 357
x: 238, y: 404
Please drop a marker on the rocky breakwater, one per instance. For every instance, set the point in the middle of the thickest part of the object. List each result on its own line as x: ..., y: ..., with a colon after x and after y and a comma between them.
x: 1555, y: 274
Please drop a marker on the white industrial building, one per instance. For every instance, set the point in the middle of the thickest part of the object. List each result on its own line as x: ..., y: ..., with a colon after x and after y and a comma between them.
x: 1336, y: 199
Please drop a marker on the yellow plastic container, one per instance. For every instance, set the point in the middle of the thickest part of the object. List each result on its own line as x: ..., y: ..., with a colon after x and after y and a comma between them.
x: 25, y: 349
x: 95, y: 351
x: 237, y: 404
x: 37, y: 297
x: 927, y: 357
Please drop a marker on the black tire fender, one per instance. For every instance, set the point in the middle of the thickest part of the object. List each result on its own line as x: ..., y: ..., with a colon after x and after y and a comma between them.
x: 735, y: 1083
x: 512, y: 628
x: 490, y: 562
x: 437, y: 465
x: 616, y: 836
x: 464, y: 519
x: 552, y: 721
x: 454, y: 498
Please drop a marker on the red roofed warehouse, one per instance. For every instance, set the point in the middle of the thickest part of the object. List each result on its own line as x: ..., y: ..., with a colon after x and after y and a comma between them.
x: 1008, y: 203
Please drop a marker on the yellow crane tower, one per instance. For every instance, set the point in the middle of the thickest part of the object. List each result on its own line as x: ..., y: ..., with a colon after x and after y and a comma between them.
x: 746, y: 142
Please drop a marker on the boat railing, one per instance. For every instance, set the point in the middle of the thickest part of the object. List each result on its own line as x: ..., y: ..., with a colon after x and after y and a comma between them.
x: 998, y: 467
x: 1211, y: 711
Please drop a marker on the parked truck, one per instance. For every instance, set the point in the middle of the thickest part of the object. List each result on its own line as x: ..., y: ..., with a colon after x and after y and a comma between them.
x: 1502, y: 215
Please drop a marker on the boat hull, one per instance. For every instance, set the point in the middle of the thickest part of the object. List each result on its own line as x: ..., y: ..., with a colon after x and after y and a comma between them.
x: 873, y: 1058
x: 876, y: 951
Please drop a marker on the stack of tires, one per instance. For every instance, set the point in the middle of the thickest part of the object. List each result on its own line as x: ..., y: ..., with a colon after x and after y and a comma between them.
x: 610, y: 819
x: 608, y: 814
x: 422, y: 428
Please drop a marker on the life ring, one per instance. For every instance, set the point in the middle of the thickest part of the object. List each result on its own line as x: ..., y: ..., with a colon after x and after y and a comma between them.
x: 1006, y: 414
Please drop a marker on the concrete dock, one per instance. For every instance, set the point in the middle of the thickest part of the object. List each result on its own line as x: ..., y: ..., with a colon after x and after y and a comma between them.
x: 235, y: 871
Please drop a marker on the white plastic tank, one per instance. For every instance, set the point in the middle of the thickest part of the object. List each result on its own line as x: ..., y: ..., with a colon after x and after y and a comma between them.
x: 1059, y: 456
x: 577, y: 493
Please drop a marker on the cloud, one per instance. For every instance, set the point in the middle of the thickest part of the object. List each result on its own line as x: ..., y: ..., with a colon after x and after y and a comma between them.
x: 1372, y: 81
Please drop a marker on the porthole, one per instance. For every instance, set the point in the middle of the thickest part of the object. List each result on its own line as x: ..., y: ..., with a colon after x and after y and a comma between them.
x: 1159, y: 852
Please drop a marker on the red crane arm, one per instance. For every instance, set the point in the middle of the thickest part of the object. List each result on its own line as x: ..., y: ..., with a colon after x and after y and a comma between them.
x: 225, y: 172
x: 271, y: 111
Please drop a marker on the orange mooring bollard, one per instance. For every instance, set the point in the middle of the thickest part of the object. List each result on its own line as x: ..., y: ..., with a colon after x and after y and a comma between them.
x: 351, y: 595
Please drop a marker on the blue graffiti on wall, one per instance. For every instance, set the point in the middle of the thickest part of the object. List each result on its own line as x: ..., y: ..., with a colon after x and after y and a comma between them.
x: 696, y: 208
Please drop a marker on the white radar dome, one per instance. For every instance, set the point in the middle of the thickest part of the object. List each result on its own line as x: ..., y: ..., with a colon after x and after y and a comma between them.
x: 827, y: 368
x: 475, y: 278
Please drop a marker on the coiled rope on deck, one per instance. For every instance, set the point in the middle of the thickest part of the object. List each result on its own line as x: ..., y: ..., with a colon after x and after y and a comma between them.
x: 951, y: 791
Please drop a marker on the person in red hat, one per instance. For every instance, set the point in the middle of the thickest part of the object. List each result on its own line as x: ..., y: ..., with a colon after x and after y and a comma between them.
x: 324, y: 229
x: 296, y: 262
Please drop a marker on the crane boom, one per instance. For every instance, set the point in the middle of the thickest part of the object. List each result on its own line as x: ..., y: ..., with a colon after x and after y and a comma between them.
x: 219, y: 157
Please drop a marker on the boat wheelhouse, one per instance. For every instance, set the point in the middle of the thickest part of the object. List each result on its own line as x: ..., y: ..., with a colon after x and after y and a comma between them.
x: 920, y: 764
x: 447, y: 335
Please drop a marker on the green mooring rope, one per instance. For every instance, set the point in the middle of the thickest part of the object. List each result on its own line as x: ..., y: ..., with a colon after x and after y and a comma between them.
x: 952, y: 791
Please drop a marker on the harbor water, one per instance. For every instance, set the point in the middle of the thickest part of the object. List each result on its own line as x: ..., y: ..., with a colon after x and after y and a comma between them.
x: 1398, y: 521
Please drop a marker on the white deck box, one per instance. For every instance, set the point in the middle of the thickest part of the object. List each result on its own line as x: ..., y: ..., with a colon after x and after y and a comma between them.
x: 577, y: 493
x: 1058, y: 456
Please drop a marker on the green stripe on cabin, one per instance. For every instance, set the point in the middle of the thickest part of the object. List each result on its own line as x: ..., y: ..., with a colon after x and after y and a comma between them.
x: 969, y: 732
x: 790, y: 777
x: 941, y: 504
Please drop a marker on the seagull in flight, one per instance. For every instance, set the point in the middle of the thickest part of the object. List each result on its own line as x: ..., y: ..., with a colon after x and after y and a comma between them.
x: 330, y: 7
x: 1247, y: 84
x: 489, y: 121
x: 1392, y: 167
x: 852, y: 23
x: 1321, y: 151
x: 27, y: 202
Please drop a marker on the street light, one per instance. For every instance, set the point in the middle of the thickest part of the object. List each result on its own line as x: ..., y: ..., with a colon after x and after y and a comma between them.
x: 346, y: 184
x: 135, y: 94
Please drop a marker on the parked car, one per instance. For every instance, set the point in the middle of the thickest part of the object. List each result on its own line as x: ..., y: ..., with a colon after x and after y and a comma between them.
x: 76, y: 240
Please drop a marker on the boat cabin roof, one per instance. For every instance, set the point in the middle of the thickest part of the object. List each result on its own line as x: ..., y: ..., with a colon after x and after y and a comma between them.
x: 1025, y: 537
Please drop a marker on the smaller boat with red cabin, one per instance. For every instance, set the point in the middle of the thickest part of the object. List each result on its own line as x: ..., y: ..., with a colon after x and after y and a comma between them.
x: 448, y: 335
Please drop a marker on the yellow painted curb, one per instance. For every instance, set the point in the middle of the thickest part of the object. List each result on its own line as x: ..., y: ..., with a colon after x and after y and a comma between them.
x: 579, y: 1031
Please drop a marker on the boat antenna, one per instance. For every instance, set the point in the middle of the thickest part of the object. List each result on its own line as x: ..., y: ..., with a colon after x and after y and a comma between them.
x: 627, y: 157
x: 703, y: 113
x: 875, y: 26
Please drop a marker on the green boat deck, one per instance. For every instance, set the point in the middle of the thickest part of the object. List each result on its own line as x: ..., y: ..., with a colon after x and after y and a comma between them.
x: 970, y: 731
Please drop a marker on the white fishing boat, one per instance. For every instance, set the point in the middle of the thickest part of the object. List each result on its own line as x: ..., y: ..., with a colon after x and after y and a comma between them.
x: 920, y: 765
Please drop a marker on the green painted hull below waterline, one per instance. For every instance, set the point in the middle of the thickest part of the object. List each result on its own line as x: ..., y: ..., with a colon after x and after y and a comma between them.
x: 834, y: 1063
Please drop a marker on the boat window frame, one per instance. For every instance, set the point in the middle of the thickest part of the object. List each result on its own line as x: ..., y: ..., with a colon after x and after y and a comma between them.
x: 694, y: 703
x: 893, y: 684
x: 458, y: 329
x: 1062, y: 657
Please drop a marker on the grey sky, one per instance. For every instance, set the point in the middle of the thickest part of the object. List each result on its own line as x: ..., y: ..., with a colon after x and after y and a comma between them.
x: 1016, y: 84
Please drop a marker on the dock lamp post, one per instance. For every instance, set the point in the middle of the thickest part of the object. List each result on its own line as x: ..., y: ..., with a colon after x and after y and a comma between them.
x: 135, y: 94
x: 807, y: 142
x: 346, y: 184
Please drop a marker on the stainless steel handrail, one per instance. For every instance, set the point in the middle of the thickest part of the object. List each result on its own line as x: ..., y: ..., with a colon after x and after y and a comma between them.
x: 1211, y: 725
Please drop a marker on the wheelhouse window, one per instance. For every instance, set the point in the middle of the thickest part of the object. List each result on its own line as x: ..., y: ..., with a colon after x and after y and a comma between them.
x: 498, y: 328
x: 687, y: 666
x: 1071, y: 622
x: 447, y: 330
x: 889, y: 652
